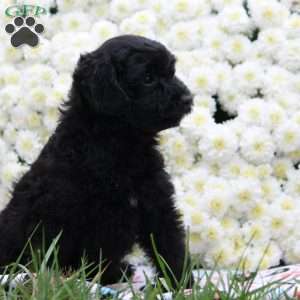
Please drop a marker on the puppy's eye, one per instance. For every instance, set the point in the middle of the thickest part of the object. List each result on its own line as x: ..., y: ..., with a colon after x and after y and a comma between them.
x: 149, y: 78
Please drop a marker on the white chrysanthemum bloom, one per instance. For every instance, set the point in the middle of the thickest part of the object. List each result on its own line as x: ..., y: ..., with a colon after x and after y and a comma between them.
x: 250, y: 260
x: 231, y: 99
x: 195, y: 219
x: 10, y: 172
x: 291, y: 26
x: 249, y: 171
x: 230, y: 225
x: 216, y: 202
x: 3, y: 149
x: 187, y: 9
x: 279, y: 222
x: 223, y: 72
x: 233, y: 168
x: 181, y: 163
x: 258, y: 210
x: 83, y: 42
x: 257, y: 145
x: 281, y: 167
x: 197, y: 244
x: 218, y: 143
x: 195, y: 180
x: 3, y: 118
x: 9, y: 75
x: 203, y: 80
x: 253, y: 111
x: 50, y: 118
x: 270, y: 189
x: 9, y: 96
x: 206, y: 101
x: 18, y: 115
x: 179, y: 36
x: 76, y: 21
x: 146, y: 18
x: 271, y: 40
x: 10, y: 133
x: 256, y: 232
x: 219, y: 5
x: 10, y: 54
x: 257, y: 54
x: 287, y: 136
x: 39, y: 75
x: 4, y: 197
x: 234, y: 19
x: 221, y: 254
x: 292, y: 185
x: 28, y: 145
x: 33, y: 120
x: 289, y: 101
x: 292, y: 249
x: 212, y: 232
x: 248, y: 76
x: 215, y: 182
x: 237, y: 48
x: 67, y: 5
x: 177, y: 144
x: 60, y: 38
x: 246, y: 193
x: 213, y: 42
x: 56, y: 96
x: 40, y: 53
x: 120, y: 9
x: 66, y: 59
x: 37, y: 98
x: 268, y: 13
x: 274, y: 116
x: 190, y: 201
x: 287, y: 202
x: 197, y: 120
x: 271, y: 255
x: 103, y: 30
x: 288, y: 55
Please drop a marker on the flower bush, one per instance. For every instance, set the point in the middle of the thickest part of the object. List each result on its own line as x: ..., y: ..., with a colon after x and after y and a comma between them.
x: 234, y: 159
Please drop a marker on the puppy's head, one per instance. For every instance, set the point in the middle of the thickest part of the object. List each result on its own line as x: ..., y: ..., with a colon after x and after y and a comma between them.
x: 133, y: 78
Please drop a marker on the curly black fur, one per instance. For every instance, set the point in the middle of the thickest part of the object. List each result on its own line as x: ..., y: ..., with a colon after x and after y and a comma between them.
x: 100, y: 178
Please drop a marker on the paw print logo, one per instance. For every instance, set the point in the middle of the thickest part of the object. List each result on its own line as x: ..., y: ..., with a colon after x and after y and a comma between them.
x: 22, y: 34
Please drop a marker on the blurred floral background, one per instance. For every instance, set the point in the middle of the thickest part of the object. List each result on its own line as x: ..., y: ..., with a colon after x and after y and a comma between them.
x: 234, y: 160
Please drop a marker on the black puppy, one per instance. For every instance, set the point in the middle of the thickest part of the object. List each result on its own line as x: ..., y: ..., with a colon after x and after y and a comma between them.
x: 99, y: 178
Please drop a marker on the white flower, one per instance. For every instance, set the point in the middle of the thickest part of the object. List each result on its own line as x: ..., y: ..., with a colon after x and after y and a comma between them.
x: 292, y: 250
x: 10, y: 134
x: 248, y: 76
x: 216, y: 202
x: 246, y: 193
x: 198, y: 119
x: 231, y: 99
x: 18, y: 115
x: 288, y: 55
x: 287, y: 202
x: 223, y: 72
x: 65, y: 59
x: 67, y: 5
x: 120, y: 9
x: 33, y: 120
x: 218, y: 143
x: 177, y: 144
x: 281, y: 167
x: 219, y: 5
x: 287, y: 100
x: 257, y: 145
x: 221, y: 254
x: 28, y: 145
x: 275, y: 116
x: 234, y: 19
x: 39, y: 75
x: 10, y: 172
x: 212, y: 231
x: 270, y: 188
x: 4, y: 197
x: 256, y: 232
x: 214, y: 43
x: 10, y: 75
x: 180, y: 34
x: 271, y: 40
x: 205, y: 101
x: 103, y: 30
x: 76, y: 21
x: 253, y: 112
x: 40, y: 53
x: 203, y: 80
x: 9, y: 96
x: 37, y: 98
x: 195, y: 180
x: 50, y: 118
x: 287, y: 136
x: 292, y: 26
x: 292, y: 185
x: 233, y: 168
x: 187, y: 9
x: 268, y: 13
x: 237, y: 48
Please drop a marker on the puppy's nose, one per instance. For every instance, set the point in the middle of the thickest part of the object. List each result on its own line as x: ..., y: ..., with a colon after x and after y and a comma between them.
x: 187, y: 99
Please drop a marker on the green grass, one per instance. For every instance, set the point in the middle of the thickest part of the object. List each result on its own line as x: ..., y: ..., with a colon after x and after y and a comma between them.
x: 45, y: 280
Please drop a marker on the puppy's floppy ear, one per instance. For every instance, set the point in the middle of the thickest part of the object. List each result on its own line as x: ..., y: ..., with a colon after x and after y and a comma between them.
x: 98, y: 85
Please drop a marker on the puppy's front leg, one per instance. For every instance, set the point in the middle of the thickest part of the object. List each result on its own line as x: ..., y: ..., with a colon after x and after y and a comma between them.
x: 159, y: 217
